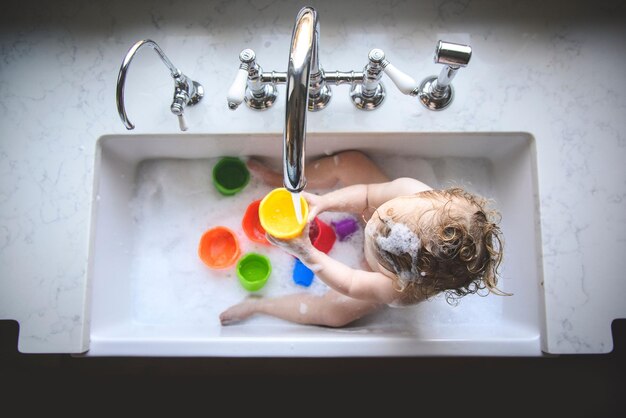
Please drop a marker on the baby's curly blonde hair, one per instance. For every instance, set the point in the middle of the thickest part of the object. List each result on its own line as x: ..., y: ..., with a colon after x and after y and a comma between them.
x: 460, y: 247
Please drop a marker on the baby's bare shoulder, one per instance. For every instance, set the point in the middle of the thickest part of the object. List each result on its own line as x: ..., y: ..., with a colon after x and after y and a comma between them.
x: 377, y: 194
x: 409, y: 185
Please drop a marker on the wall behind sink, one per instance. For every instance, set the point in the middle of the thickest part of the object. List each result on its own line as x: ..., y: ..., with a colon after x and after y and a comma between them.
x: 553, y: 69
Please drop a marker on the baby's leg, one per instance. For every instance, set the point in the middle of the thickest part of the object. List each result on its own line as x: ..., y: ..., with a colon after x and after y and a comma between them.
x: 331, y: 309
x: 345, y: 168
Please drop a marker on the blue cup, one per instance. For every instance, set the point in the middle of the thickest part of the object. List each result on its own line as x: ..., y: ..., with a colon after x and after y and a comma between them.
x: 302, y: 275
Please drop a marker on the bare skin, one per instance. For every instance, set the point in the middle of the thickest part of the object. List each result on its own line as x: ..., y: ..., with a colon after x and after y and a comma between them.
x: 353, y: 293
x: 346, y: 168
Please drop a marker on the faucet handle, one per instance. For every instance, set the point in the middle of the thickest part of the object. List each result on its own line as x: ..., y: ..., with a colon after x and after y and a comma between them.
x: 182, y: 123
x: 436, y: 92
x: 186, y: 92
x: 404, y: 82
x: 370, y: 92
x: 249, y: 86
x: 237, y: 92
x: 177, y: 108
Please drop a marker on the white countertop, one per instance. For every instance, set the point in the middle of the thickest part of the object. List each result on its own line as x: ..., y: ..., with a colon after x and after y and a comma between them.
x: 555, y: 71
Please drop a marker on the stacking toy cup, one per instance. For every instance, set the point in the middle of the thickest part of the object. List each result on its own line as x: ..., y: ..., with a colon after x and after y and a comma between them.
x: 302, y: 275
x: 345, y: 227
x: 278, y: 216
x: 230, y: 175
x: 219, y: 248
x: 323, y: 238
x: 322, y: 235
x: 251, y: 223
x: 253, y: 271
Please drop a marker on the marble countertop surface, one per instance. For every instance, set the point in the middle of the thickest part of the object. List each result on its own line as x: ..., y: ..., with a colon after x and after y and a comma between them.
x: 553, y: 69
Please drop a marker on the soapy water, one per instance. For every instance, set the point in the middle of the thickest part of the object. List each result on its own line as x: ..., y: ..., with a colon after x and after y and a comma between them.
x: 175, y: 202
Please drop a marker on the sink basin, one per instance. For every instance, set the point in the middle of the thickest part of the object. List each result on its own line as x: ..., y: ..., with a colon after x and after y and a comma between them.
x: 152, y: 296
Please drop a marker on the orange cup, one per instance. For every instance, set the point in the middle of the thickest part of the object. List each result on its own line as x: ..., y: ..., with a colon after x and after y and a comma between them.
x: 219, y: 248
x: 251, y: 224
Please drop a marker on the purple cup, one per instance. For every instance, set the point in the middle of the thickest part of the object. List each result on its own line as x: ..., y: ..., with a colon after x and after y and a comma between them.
x: 345, y: 227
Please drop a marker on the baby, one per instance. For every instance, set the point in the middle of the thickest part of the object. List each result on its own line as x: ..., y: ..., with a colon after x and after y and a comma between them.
x: 418, y: 242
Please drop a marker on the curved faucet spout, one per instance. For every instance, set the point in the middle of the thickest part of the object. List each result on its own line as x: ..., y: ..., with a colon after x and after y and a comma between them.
x: 303, y: 63
x: 186, y: 91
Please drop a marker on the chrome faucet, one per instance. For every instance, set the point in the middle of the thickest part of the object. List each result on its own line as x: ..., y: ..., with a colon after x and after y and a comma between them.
x: 305, y: 89
x: 186, y: 91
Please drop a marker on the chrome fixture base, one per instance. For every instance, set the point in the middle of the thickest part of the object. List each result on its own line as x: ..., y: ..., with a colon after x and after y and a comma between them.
x: 261, y: 101
x: 365, y: 102
x: 322, y: 99
x: 432, y: 97
x: 197, y: 93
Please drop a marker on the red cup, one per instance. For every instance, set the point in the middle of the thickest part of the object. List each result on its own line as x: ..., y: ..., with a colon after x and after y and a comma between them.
x: 251, y: 224
x: 322, y: 235
x: 323, y: 238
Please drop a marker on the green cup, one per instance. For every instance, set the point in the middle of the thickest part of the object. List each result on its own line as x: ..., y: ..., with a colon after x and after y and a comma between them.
x: 230, y: 175
x: 253, y: 271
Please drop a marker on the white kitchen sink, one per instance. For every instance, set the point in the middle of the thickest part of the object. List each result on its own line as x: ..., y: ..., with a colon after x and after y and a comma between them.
x: 152, y: 296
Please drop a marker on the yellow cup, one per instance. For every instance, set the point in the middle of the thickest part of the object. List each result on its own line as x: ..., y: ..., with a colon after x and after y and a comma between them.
x: 278, y: 216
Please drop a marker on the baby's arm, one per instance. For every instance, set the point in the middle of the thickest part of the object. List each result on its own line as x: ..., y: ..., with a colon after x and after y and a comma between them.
x: 365, y: 185
x: 358, y: 197
x: 357, y: 284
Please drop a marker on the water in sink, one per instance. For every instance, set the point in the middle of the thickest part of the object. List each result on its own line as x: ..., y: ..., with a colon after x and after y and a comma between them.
x: 175, y: 202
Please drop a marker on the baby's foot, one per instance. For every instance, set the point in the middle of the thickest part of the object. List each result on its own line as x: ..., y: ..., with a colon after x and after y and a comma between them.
x: 237, y: 312
x: 267, y: 175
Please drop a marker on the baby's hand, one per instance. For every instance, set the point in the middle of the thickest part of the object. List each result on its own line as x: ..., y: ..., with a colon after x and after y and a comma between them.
x: 316, y: 204
x: 299, y: 246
